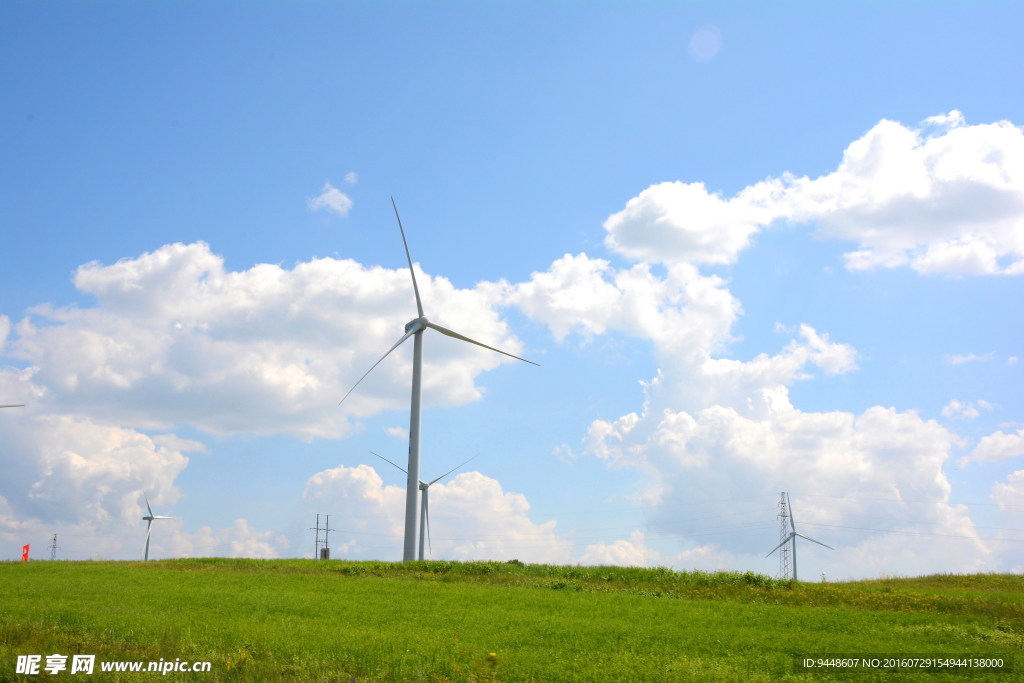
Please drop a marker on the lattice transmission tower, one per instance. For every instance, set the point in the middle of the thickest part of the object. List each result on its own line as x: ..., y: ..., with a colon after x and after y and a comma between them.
x: 54, y: 547
x: 785, y: 529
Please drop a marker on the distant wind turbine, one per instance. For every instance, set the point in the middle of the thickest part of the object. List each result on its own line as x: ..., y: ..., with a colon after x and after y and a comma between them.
x: 149, y: 527
x: 415, y: 328
x: 425, y: 505
x: 791, y: 538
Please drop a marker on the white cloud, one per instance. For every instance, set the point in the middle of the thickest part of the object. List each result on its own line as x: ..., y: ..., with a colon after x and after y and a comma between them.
x: 1009, y: 496
x: 60, y: 468
x: 238, y: 540
x: 351, y: 177
x: 968, y: 410
x: 944, y: 198
x: 712, y: 423
x: 960, y: 359
x: 864, y: 475
x: 998, y: 446
x: 685, y: 312
x: 175, y: 338
x: 635, y: 552
x: 332, y: 199
x: 88, y: 479
x: 623, y: 553
x: 674, y: 221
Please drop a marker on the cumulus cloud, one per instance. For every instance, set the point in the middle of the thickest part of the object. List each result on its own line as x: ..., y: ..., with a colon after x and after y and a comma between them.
x: 635, y: 552
x: 961, y: 358
x: 89, y: 479
x: 684, y: 311
x: 999, y: 446
x: 942, y: 198
x: 332, y: 199
x: 61, y: 467
x: 175, y: 338
x: 709, y: 422
x: 676, y: 221
x: 970, y: 409
x: 1009, y: 495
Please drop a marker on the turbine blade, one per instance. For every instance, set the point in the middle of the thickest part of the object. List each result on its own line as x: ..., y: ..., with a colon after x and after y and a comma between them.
x: 397, y: 344
x: 13, y: 405
x: 426, y: 521
x: 792, y: 523
x: 456, y: 335
x: 416, y: 289
x: 147, y: 505
x: 788, y: 538
x: 808, y: 538
x: 388, y: 461
x: 453, y: 469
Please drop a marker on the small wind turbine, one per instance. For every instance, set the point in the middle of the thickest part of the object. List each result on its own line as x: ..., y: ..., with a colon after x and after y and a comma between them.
x: 791, y: 538
x: 149, y: 527
x: 415, y: 329
x: 425, y: 505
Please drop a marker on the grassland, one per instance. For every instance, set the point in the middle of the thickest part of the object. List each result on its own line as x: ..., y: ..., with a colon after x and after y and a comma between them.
x: 439, y: 621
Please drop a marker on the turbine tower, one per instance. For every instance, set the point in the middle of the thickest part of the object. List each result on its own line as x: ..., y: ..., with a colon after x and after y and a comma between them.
x: 149, y: 527
x: 425, y: 505
x: 786, y: 512
x: 415, y: 329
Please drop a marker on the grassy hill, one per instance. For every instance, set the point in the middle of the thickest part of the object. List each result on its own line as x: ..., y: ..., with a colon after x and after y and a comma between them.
x: 439, y: 621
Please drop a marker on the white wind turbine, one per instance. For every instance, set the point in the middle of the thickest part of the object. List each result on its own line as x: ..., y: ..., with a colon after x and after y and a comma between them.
x: 415, y: 329
x: 149, y: 527
x: 425, y: 504
x: 791, y: 538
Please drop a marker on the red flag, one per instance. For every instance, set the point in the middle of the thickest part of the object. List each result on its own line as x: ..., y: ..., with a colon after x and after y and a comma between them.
x: 24, y: 553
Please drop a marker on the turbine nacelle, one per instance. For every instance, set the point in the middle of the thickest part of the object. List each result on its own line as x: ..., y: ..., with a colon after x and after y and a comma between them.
x: 414, y: 326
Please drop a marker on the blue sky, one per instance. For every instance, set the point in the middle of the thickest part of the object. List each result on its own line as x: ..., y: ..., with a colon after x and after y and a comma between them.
x: 754, y: 248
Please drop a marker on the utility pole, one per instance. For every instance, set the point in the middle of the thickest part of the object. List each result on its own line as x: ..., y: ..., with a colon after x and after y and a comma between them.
x: 54, y: 547
x: 325, y: 553
x: 785, y: 561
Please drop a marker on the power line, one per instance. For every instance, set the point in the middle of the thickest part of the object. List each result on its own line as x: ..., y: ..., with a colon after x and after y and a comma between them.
x: 921, y: 533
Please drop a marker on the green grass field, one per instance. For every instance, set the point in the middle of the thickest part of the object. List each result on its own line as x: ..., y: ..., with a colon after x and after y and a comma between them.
x: 439, y: 621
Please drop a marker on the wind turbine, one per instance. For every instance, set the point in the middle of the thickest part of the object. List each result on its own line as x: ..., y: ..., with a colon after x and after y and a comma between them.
x: 425, y: 504
x: 415, y: 329
x: 793, y: 533
x: 149, y: 526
